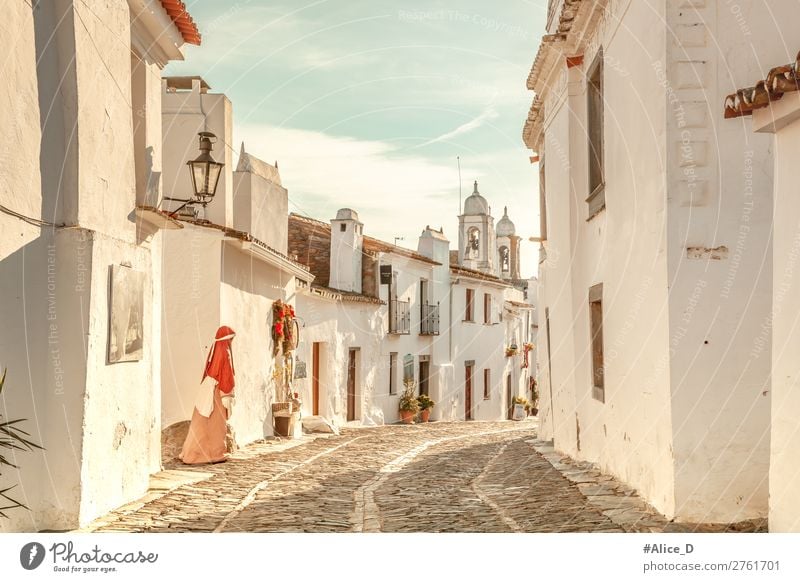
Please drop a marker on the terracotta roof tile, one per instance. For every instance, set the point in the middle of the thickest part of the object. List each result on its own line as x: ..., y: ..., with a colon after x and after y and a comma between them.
x: 477, y: 275
x: 780, y: 80
x: 371, y: 245
x: 183, y: 21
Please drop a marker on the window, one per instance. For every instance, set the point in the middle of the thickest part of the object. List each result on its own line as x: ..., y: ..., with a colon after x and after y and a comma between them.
x: 487, y: 308
x: 343, y: 227
x: 487, y: 383
x: 596, y: 323
x: 393, y: 373
x: 408, y: 367
x: 473, y: 243
x: 505, y: 259
x: 469, y: 312
x: 594, y: 121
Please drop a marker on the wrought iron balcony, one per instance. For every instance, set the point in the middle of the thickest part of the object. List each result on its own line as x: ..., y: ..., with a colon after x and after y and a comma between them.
x: 399, y: 317
x: 429, y: 319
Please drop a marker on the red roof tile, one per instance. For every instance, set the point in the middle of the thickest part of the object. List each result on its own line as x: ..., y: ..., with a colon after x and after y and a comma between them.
x: 183, y: 21
x: 780, y: 80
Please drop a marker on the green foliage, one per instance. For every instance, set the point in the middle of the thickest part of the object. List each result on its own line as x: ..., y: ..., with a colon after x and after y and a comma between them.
x: 408, y: 400
x: 425, y: 402
x: 12, y: 438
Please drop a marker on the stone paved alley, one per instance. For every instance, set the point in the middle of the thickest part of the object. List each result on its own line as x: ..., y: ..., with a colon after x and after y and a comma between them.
x: 438, y: 477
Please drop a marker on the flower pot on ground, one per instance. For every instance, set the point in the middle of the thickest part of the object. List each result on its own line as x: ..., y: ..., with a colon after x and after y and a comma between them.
x: 425, y: 407
x: 409, y: 405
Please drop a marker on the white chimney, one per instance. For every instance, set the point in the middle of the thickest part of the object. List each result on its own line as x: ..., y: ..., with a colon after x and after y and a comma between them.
x: 347, y: 244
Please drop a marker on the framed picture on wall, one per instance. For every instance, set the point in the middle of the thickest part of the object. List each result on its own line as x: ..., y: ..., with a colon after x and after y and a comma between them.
x: 126, y: 322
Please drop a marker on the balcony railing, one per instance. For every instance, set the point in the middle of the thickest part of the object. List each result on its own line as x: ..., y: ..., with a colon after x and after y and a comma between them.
x: 429, y: 319
x: 399, y: 317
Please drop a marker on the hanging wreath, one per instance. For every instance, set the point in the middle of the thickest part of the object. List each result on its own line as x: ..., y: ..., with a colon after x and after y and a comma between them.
x: 285, y: 329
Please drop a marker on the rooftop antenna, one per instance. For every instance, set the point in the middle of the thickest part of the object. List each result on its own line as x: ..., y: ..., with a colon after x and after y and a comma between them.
x: 397, y: 238
x: 458, y: 159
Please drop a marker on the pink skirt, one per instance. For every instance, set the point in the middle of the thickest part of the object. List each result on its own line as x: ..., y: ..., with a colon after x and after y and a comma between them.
x: 205, y: 442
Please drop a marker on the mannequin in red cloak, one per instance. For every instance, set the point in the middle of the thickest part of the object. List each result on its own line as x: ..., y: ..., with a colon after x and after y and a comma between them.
x: 205, y: 442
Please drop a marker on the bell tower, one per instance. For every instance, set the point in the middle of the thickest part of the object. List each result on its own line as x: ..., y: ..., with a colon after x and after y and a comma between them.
x: 476, y: 236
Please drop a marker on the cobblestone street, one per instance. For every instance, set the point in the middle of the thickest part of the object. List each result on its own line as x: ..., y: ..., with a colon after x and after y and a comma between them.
x: 438, y: 477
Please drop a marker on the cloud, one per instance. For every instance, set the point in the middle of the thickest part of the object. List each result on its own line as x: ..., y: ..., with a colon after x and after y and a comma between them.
x: 486, y: 115
x: 395, y: 193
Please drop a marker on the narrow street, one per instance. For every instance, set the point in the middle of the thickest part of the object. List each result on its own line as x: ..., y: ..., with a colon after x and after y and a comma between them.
x: 439, y: 477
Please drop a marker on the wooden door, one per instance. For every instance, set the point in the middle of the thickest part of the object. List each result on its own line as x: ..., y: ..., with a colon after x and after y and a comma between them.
x: 351, y: 386
x: 315, y: 379
x: 468, y: 393
x: 424, y: 374
x: 509, y: 398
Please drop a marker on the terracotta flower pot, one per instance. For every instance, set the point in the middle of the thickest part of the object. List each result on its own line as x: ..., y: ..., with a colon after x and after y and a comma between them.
x: 425, y: 415
x: 407, y: 416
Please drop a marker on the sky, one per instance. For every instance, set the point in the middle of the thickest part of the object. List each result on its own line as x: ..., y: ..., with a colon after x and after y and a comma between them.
x: 368, y: 104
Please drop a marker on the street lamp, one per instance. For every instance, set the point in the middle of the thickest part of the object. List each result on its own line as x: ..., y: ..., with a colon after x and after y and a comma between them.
x: 205, y: 172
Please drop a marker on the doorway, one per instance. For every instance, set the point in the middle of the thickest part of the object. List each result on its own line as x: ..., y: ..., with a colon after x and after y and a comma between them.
x: 424, y: 375
x: 351, y: 385
x: 468, y: 373
x: 509, y: 398
x: 315, y: 374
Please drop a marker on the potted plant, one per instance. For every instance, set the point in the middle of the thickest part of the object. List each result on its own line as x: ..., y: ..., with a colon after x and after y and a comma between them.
x: 517, y: 401
x: 425, y: 407
x: 511, y: 350
x: 409, y: 405
x: 534, y: 400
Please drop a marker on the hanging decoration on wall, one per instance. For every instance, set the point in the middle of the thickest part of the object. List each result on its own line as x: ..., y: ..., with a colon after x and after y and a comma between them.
x: 526, y: 348
x: 285, y: 328
x: 300, y: 370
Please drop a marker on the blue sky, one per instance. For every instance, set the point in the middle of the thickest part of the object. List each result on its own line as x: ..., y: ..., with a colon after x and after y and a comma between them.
x: 367, y: 104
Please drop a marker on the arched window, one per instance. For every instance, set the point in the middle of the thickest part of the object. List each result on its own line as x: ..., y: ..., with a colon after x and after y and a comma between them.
x: 505, y: 259
x: 473, y: 243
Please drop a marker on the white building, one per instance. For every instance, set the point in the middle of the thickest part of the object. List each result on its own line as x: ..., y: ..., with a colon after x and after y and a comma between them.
x: 81, y: 173
x: 377, y: 314
x: 655, y: 277
x: 214, y: 274
x: 774, y: 104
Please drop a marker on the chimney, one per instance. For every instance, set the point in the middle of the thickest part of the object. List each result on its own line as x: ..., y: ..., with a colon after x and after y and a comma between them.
x: 434, y: 245
x: 347, y: 245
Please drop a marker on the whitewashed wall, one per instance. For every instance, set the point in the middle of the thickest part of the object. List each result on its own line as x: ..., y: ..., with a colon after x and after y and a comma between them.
x: 185, y: 114
x: 249, y: 287
x: 338, y: 327
x: 628, y: 435
x: 95, y: 419
x: 190, y: 316
x: 784, y: 479
x: 685, y: 419
x: 479, y: 342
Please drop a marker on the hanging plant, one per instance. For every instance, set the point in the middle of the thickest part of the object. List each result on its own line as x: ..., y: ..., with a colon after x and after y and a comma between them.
x: 285, y: 330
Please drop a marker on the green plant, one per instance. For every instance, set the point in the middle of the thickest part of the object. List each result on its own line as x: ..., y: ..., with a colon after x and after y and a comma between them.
x: 408, y: 400
x: 425, y: 402
x: 12, y: 438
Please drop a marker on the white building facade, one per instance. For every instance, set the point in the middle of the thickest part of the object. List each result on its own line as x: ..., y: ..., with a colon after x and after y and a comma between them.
x: 215, y: 275
x: 377, y: 315
x: 83, y: 174
x: 774, y: 105
x: 649, y: 298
